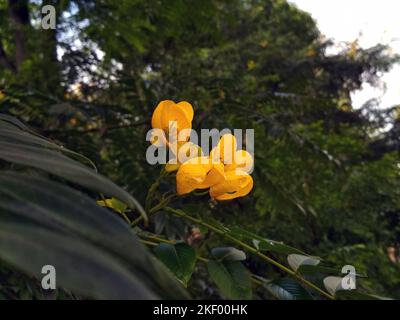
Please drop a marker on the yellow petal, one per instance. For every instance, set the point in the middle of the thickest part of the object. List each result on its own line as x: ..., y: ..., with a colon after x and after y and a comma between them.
x: 242, y: 161
x: 189, y: 177
x: 187, y: 108
x: 215, y: 155
x: 234, y: 186
x: 158, y: 138
x: 226, y: 147
x: 157, y: 114
x: 188, y: 150
x: 214, y: 176
x: 172, y: 113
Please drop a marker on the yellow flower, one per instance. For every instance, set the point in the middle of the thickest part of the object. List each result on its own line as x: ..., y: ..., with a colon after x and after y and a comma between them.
x: 237, y: 163
x: 236, y: 184
x: 225, y: 172
x: 225, y: 149
x: 227, y: 153
x: 242, y: 161
x: 173, y: 118
x: 2, y: 95
x: 192, y: 174
x: 184, y: 152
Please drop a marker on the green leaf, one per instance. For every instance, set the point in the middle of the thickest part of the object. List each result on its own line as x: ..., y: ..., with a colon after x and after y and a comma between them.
x: 95, y: 253
x: 297, y: 260
x: 203, y: 229
x: 244, y: 234
x: 228, y: 253
x: 263, y: 244
x: 114, y: 204
x: 180, y: 258
x: 287, y: 289
x: 232, y: 278
x: 333, y: 284
x: 13, y: 130
x: 58, y: 164
x: 215, y: 223
x: 80, y: 266
x: 275, y: 246
x: 312, y: 269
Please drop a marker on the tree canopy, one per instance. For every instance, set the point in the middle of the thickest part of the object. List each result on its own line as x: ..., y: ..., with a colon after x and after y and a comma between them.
x: 326, y: 175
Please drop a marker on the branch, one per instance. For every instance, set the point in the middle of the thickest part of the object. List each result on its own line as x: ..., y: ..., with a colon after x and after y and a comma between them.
x: 101, y: 130
x: 250, y: 249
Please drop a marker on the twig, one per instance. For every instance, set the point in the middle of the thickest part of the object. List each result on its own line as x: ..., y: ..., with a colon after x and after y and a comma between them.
x: 99, y: 129
x: 250, y: 249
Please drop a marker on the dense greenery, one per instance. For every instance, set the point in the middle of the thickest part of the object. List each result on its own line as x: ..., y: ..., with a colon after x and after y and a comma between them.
x: 326, y: 178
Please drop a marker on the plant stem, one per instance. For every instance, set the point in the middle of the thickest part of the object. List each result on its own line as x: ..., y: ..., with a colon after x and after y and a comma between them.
x: 155, y: 238
x: 153, y: 189
x: 200, y: 258
x: 154, y: 210
x: 251, y: 249
x: 149, y: 243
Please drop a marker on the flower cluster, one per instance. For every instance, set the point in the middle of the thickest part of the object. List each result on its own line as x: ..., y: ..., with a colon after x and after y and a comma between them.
x: 225, y: 172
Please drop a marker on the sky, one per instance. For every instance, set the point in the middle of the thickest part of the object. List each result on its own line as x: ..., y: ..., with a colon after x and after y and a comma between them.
x: 372, y: 22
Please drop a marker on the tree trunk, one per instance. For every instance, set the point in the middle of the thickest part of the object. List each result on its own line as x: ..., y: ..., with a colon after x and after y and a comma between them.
x: 19, y: 16
x: 5, y: 60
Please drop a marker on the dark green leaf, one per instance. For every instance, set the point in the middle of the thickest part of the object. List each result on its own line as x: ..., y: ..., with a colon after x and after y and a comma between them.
x: 287, y: 289
x: 275, y: 246
x: 297, y: 260
x: 263, y: 244
x: 56, y: 163
x: 228, y: 253
x: 179, y: 258
x: 232, y: 278
x: 74, y: 222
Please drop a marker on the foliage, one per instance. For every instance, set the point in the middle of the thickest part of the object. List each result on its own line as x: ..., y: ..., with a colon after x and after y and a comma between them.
x: 326, y: 179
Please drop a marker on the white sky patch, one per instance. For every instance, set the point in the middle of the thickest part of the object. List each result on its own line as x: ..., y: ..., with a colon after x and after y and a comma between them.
x: 370, y: 21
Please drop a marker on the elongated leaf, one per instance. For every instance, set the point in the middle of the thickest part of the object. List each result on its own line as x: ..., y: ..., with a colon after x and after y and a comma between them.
x: 180, y: 258
x: 297, y: 260
x: 62, y: 166
x: 12, y: 129
x: 263, y: 244
x: 287, y: 289
x: 228, y: 253
x: 232, y: 278
x: 12, y: 121
x: 275, y: 246
x: 312, y: 269
x: 245, y: 234
x: 333, y: 284
x: 62, y: 211
x: 215, y: 223
x: 114, y: 204
x: 80, y: 267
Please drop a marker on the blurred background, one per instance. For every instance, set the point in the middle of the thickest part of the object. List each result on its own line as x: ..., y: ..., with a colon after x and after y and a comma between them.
x: 310, y: 84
